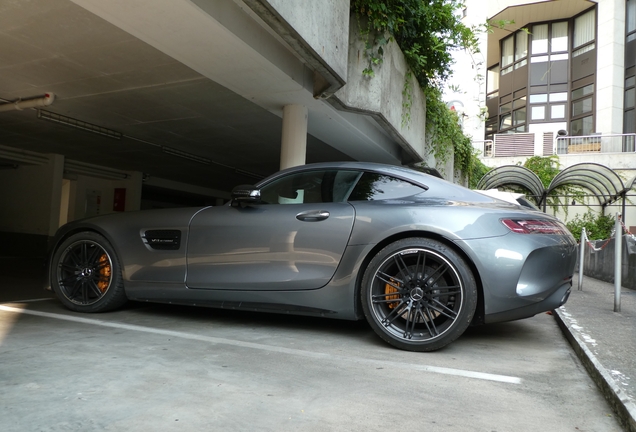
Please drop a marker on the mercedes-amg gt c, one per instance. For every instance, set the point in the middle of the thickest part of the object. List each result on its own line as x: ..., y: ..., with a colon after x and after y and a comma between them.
x: 418, y: 257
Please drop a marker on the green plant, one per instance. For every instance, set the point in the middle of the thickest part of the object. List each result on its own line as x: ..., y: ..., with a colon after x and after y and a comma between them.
x: 407, y: 99
x: 477, y: 171
x: 546, y: 168
x: 427, y: 33
x: 596, y: 227
x: 444, y: 134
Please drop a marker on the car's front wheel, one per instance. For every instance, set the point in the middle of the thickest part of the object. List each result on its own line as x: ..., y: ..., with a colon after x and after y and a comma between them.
x: 86, y: 275
x: 418, y: 294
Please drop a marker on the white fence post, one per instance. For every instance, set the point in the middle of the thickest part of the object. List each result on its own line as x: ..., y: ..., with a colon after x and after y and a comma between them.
x: 618, y: 268
x: 582, y: 257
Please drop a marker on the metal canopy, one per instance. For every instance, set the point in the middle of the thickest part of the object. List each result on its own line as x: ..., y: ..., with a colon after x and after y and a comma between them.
x: 602, y: 181
x: 598, y: 179
x: 513, y: 175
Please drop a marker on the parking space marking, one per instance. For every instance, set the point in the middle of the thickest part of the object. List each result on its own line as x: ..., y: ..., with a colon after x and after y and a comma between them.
x: 297, y: 352
x: 31, y: 300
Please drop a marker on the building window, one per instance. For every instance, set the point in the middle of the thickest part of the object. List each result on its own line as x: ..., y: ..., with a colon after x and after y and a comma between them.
x: 558, y: 97
x: 584, y: 33
x: 630, y: 92
x: 512, y: 114
x: 514, y: 52
x: 582, y: 110
x: 538, y: 98
x: 559, y: 38
x: 519, y: 113
x: 583, y: 126
x: 557, y: 112
x: 507, y: 49
x: 549, y: 54
x: 521, y: 49
x: 539, y: 39
x: 583, y: 91
x: 538, y: 112
x: 629, y: 125
x: 505, y: 116
x: 491, y: 127
x: 630, y: 21
x: 492, y: 82
x: 582, y: 106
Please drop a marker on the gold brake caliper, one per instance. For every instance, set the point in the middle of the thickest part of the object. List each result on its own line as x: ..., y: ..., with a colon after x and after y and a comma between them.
x: 388, y: 289
x: 105, y: 272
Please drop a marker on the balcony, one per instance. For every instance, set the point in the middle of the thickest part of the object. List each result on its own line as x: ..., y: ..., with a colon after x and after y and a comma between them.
x: 546, y: 144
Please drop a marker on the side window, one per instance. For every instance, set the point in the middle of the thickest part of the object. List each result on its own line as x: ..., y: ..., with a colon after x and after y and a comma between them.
x: 310, y: 187
x: 343, y: 184
x: 373, y: 187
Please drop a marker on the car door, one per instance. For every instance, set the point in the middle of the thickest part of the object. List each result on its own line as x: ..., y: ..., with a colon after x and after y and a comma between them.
x: 292, y: 240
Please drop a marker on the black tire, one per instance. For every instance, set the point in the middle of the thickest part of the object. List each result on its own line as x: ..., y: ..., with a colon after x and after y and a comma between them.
x: 86, y: 274
x: 418, y: 294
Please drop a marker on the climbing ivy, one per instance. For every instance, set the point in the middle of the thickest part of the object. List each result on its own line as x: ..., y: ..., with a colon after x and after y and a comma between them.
x: 546, y: 168
x: 444, y: 132
x: 427, y: 32
x: 477, y: 171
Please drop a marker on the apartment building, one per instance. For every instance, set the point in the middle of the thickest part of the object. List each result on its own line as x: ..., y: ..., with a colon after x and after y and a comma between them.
x: 553, y: 77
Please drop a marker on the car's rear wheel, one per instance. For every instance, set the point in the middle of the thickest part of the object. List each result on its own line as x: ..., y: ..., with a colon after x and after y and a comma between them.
x: 86, y: 275
x: 418, y: 294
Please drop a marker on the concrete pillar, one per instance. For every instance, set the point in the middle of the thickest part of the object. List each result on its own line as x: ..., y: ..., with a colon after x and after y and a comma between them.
x: 294, y: 137
x: 56, y: 163
x: 610, y: 66
x: 133, y: 193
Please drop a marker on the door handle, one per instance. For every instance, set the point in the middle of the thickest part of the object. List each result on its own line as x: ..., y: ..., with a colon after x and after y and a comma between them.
x: 313, y: 215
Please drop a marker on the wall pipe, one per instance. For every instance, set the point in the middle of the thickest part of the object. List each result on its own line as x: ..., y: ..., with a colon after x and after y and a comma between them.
x: 22, y: 104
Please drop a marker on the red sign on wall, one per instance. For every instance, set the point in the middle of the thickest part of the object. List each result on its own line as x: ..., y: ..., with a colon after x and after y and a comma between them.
x: 119, y: 199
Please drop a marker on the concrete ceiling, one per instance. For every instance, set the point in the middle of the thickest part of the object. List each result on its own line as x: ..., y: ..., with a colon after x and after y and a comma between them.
x: 151, y: 85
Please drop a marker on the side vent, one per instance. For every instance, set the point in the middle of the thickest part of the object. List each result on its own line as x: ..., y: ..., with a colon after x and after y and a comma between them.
x: 163, y: 239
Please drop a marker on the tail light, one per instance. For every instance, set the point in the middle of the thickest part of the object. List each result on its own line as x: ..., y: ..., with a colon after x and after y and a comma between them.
x: 534, y: 226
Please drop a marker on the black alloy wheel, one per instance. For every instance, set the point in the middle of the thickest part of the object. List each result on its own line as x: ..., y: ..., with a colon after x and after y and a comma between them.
x: 85, y: 274
x: 418, y: 294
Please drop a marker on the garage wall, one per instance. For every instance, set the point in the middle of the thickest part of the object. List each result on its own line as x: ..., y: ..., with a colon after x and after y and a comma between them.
x: 93, y: 196
x: 30, y: 206
x: 30, y: 197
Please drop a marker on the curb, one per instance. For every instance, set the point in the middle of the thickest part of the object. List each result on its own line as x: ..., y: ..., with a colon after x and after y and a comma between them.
x: 621, y: 403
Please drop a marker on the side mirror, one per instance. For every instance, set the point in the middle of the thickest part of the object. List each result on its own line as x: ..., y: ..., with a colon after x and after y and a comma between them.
x: 246, y: 194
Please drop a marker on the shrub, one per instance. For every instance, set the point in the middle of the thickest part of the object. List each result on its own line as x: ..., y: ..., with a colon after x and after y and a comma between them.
x: 596, y: 227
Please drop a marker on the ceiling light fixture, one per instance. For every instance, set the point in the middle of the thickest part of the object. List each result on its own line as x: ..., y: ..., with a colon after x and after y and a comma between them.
x: 23, y: 156
x: 69, y: 121
x: 79, y: 124
x: 77, y: 167
x: 185, y: 155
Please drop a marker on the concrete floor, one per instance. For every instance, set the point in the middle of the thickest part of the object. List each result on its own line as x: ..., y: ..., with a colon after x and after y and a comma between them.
x: 156, y: 367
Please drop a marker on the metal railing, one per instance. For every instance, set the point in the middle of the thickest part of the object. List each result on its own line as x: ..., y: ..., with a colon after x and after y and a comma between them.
x: 598, y: 143
x: 619, y: 231
x: 487, y: 148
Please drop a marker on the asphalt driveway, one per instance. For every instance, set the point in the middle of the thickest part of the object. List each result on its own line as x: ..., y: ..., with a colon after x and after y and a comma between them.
x: 162, y: 367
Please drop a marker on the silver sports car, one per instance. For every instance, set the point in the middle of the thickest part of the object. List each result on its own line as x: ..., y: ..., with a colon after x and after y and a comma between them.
x: 418, y: 257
